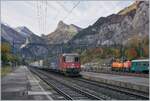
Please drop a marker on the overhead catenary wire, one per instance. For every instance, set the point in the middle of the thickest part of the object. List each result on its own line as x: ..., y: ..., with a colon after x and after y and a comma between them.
x: 38, y: 15
x: 71, y: 10
x: 41, y: 9
x: 43, y: 17
x: 42, y: 13
x: 46, y: 16
x: 62, y: 6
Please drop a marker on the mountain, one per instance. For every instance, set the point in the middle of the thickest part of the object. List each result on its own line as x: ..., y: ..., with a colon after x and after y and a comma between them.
x: 117, y: 28
x: 130, y: 23
x: 32, y: 38
x: 11, y: 35
x: 24, y: 31
x: 63, y: 33
x: 34, y: 46
x: 19, y: 35
x: 25, y: 41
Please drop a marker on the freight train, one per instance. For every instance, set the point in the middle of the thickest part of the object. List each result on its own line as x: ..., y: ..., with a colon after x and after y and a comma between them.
x: 141, y: 65
x: 67, y: 63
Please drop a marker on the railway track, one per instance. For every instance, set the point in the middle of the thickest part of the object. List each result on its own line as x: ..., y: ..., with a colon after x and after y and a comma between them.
x: 105, y: 91
x: 92, y: 89
x: 69, y: 91
x: 127, y: 92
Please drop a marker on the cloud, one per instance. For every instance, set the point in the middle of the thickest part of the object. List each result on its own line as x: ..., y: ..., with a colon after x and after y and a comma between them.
x: 25, y: 13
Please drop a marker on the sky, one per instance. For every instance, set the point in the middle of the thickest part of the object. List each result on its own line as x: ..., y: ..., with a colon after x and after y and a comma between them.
x: 42, y: 17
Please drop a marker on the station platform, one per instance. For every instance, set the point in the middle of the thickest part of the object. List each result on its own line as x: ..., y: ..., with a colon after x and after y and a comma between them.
x: 22, y: 85
x: 135, y: 83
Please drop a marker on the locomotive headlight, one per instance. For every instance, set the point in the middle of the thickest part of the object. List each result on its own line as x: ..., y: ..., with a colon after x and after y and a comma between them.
x: 72, y: 64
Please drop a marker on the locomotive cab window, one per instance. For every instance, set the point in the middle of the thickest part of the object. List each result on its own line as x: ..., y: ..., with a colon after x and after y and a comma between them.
x: 69, y: 59
x: 76, y: 59
x: 63, y: 59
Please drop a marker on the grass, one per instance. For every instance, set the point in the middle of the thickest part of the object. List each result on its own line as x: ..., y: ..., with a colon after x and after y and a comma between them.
x: 5, y: 70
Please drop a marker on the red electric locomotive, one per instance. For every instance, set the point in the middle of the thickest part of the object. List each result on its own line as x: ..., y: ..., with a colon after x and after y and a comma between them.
x: 67, y: 63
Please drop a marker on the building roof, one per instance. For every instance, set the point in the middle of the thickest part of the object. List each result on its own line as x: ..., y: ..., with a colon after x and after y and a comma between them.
x: 70, y: 54
x: 141, y: 60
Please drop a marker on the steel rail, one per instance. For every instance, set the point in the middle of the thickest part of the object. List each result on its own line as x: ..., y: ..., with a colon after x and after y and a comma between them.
x: 53, y: 86
x: 142, y: 95
x: 75, y: 88
x: 127, y: 91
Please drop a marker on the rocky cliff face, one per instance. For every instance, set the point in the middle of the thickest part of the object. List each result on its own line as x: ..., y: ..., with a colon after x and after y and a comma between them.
x: 24, y: 31
x: 19, y: 35
x: 11, y: 35
x: 63, y: 33
x: 114, y: 29
x: 25, y: 41
x: 28, y: 34
x: 117, y: 28
x: 34, y: 46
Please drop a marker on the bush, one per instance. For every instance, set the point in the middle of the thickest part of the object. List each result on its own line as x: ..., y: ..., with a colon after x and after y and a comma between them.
x: 7, y: 56
x: 5, y: 70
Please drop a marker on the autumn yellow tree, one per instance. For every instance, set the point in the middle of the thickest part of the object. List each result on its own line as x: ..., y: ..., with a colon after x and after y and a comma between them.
x: 6, y: 53
x: 116, y: 53
x: 5, y: 48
